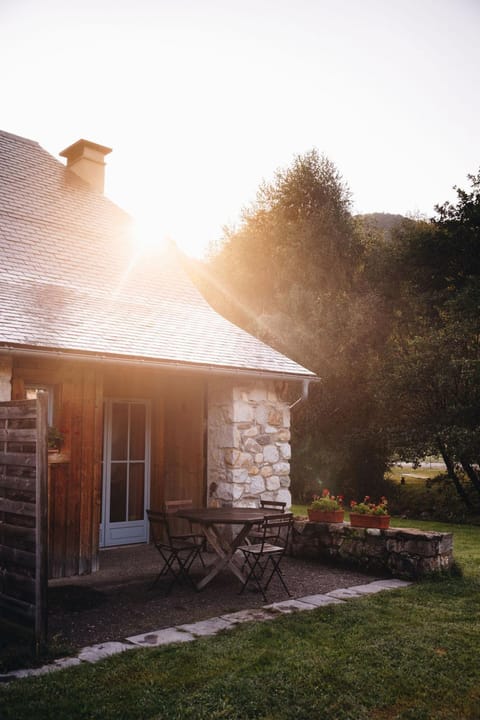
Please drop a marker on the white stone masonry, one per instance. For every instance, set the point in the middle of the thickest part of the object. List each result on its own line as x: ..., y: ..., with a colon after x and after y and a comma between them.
x: 248, y: 444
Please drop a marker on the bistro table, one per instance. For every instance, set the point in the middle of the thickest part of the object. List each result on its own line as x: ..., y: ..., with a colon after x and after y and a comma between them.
x: 211, y: 521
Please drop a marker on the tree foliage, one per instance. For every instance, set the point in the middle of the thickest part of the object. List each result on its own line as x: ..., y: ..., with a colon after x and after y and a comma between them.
x: 389, y: 321
x: 295, y: 268
x: 433, y: 368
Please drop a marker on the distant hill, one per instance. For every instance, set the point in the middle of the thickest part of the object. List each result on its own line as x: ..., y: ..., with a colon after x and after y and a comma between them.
x: 384, y: 222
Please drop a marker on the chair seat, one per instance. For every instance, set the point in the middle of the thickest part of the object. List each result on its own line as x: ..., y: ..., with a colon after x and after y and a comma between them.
x: 197, y: 539
x: 261, y: 549
x: 179, y: 543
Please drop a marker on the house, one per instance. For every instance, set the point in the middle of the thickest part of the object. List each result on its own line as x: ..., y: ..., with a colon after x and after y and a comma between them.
x: 156, y: 395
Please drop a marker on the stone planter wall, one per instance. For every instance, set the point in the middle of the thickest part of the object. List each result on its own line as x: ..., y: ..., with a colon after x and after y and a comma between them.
x: 248, y: 444
x: 404, y: 553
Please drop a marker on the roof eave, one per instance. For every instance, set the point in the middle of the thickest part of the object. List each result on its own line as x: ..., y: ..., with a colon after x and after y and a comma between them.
x: 158, y: 363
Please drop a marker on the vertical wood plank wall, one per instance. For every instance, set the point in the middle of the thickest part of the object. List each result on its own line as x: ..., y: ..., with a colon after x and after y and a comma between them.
x: 75, y: 486
x: 23, y: 514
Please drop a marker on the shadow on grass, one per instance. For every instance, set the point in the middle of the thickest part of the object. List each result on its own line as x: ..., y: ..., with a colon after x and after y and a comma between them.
x: 17, y: 648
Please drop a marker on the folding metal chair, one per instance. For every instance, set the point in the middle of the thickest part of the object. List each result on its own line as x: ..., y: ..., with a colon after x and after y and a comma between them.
x: 171, y: 507
x: 177, y: 553
x: 255, y: 536
x: 268, y: 553
x: 273, y: 505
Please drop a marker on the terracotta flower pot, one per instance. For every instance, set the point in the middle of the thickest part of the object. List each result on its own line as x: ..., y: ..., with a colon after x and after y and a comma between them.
x: 369, y: 521
x: 326, y: 516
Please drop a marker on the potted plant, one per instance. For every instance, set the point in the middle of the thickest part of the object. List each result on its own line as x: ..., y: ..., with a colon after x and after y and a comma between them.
x: 326, y: 508
x: 368, y: 514
x: 55, y: 439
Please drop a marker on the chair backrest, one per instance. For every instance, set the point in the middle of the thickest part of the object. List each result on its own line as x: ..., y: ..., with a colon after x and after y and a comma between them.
x: 277, y: 528
x: 273, y: 505
x: 171, y: 506
x: 160, y: 526
x: 178, y: 525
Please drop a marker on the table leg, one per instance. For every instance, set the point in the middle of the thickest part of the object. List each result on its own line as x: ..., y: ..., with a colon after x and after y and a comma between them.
x: 225, y: 552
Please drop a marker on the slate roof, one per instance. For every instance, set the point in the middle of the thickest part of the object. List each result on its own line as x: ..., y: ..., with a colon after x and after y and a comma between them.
x: 70, y: 280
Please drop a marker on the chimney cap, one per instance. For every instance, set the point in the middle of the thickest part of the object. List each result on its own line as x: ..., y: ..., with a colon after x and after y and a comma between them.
x: 75, y: 151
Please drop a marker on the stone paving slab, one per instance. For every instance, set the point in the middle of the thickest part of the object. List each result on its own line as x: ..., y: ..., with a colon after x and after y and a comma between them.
x: 243, y: 616
x: 368, y: 589
x: 59, y: 664
x: 67, y: 662
x: 289, y: 606
x: 94, y: 653
x: 392, y: 583
x: 204, y: 628
x: 344, y: 593
x: 161, y: 637
x: 320, y: 600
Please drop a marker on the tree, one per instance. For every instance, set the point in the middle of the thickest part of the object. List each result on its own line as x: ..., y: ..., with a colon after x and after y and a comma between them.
x: 432, y: 373
x: 293, y: 273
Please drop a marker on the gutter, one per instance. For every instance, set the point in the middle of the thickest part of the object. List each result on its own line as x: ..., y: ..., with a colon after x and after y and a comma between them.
x: 164, y: 364
x: 304, y: 396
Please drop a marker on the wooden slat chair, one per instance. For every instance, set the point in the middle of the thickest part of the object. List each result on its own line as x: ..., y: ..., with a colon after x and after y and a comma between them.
x: 177, y: 553
x: 255, y: 536
x: 268, y: 553
x: 171, y: 507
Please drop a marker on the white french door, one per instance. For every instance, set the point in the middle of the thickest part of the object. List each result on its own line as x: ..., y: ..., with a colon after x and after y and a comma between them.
x: 126, y: 472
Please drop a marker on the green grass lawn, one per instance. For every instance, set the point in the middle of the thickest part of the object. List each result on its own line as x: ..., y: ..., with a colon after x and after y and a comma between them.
x: 411, y: 654
x: 412, y: 476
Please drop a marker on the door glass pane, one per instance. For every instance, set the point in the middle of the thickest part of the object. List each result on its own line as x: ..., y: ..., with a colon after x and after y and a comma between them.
x: 119, y: 431
x: 118, y: 492
x: 137, y: 432
x: 135, y: 492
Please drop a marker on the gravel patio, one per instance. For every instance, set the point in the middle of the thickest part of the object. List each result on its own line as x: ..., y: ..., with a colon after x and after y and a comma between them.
x: 118, y: 601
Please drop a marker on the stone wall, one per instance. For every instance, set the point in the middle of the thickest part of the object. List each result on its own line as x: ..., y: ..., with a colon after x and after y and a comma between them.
x: 402, y: 552
x: 248, y: 444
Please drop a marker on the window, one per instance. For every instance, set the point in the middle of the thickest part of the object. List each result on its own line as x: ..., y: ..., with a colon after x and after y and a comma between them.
x: 31, y: 392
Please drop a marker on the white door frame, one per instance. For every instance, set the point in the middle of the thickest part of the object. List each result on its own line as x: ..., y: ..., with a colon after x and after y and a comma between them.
x: 133, y: 531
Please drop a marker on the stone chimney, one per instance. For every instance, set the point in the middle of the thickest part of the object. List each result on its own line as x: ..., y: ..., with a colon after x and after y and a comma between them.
x: 86, y: 159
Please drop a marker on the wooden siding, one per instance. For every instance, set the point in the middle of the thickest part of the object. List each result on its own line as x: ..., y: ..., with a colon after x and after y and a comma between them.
x: 75, y: 479
x: 23, y: 514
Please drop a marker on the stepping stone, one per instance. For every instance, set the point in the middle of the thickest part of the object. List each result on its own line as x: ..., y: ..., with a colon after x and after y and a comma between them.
x: 161, y: 637
x: 60, y: 664
x: 94, y: 653
x: 243, y: 616
x: 319, y: 600
x: 289, y: 606
x: 63, y: 663
x: 344, y: 593
x: 368, y: 589
x: 392, y: 583
x: 206, y: 627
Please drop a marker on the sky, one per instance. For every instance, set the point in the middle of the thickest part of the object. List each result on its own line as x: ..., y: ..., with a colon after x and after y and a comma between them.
x: 202, y: 100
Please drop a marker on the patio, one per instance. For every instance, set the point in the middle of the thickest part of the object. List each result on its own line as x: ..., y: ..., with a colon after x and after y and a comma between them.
x: 116, y: 602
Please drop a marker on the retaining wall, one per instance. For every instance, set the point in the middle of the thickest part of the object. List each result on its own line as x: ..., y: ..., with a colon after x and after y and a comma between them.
x: 402, y: 552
